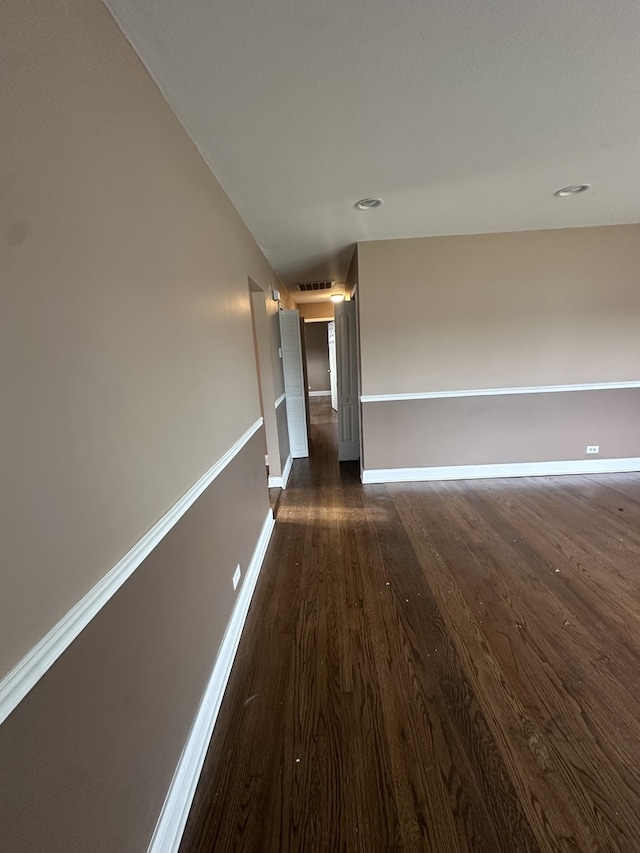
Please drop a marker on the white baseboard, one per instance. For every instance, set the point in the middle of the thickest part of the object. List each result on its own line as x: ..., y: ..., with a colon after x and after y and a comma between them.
x: 27, y: 672
x: 319, y: 393
x: 517, y: 469
x: 175, y: 811
x: 281, y: 482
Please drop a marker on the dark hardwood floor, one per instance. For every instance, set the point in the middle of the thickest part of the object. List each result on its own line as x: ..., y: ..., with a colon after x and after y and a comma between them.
x: 434, y: 667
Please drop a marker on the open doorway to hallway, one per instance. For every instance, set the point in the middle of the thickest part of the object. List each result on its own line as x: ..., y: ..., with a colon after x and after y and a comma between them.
x: 331, y: 355
x: 318, y: 362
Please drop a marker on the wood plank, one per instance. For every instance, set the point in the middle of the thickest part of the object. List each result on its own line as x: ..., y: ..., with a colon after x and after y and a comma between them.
x: 434, y: 667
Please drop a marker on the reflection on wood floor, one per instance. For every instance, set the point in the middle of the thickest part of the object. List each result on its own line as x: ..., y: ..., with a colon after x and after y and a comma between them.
x: 434, y: 667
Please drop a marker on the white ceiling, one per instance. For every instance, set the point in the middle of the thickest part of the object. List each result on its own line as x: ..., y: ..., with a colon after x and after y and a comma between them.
x: 464, y: 116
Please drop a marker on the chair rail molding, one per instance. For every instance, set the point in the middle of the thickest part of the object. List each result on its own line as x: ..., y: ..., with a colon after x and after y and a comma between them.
x: 497, y: 392
x: 28, y: 671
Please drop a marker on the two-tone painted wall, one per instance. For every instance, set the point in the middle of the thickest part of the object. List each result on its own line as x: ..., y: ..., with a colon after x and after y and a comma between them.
x: 500, y: 354
x: 133, y: 470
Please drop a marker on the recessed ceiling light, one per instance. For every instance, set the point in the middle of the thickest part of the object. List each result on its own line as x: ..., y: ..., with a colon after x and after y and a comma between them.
x: 572, y: 190
x: 368, y: 203
x: 337, y: 297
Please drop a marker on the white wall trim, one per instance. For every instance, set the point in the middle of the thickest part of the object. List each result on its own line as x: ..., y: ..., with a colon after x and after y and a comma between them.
x: 497, y: 392
x: 287, y: 470
x: 516, y: 469
x: 319, y: 393
x: 281, y: 399
x: 173, y: 817
x: 27, y: 672
x: 281, y: 482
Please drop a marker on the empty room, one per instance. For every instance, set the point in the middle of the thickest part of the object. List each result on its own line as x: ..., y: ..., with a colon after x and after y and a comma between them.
x: 320, y: 427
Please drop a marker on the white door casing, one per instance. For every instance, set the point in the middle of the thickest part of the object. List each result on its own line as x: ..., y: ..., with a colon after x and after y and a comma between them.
x: 333, y: 375
x: 347, y: 374
x: 293, y: 370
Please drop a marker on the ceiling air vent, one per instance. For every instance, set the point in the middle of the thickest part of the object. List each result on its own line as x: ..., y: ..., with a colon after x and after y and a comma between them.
x: 312, y: 286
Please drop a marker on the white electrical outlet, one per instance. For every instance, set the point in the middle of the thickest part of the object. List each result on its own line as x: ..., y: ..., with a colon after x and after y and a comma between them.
x: 593, y: 448
x: 236, y: 577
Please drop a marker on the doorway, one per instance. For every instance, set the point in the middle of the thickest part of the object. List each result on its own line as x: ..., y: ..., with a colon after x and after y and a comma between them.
x: 332, y: 367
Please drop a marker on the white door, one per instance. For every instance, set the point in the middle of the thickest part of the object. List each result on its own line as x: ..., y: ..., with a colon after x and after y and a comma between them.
x: 293, y: 370
x: 347, y: 364
x: 333, y: 376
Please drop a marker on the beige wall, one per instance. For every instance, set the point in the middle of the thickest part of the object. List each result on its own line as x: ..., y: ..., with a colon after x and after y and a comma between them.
x: 283, y: 434
x: 270, y: 376
x: 317, y: 356
x: 128, y: 371
x: 500, y: 310
x: 88, y: 756
x: 503, y: 429
x: 540, y: 308
x: 273, y: 313
x: 126, y: 317
x: 267, y: 329
x: 351, y: 284
x: 315, y: 310
x: 276, y: 363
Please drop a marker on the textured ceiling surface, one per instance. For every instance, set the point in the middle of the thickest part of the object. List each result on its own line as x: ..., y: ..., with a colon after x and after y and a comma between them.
x: 464, y: 116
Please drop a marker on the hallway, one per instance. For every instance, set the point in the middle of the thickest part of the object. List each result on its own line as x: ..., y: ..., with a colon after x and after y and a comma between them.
x: 434, y: 667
